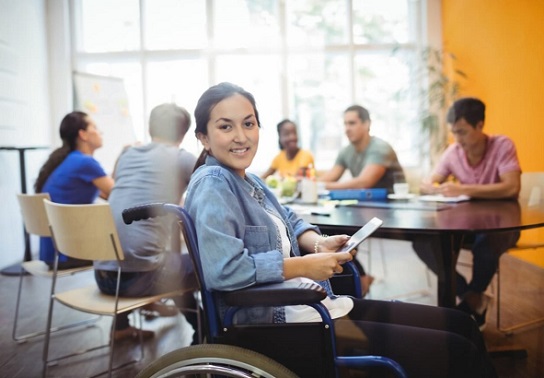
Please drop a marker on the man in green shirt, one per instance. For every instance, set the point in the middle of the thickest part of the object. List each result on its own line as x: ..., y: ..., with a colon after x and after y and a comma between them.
x: 371, y: 161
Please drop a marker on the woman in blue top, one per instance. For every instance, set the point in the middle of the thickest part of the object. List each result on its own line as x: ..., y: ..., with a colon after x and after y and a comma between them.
x: 72, y: 176
x: 246, y: 237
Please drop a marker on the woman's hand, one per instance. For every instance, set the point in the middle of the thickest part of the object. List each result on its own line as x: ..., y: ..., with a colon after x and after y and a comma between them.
x: 316, y: 266
x: 322, y: 266
x: 105, y: 185
x: 312, y: 242
x: 331, y: 243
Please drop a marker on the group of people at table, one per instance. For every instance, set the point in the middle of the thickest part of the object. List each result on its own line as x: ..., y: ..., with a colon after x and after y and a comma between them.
x: 247, y: 237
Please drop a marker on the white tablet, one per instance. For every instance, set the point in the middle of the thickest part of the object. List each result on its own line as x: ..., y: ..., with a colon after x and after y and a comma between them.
x: 363, y: 233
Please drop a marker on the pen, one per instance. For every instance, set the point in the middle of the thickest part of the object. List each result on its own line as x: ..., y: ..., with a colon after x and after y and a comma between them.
x: 323, y: 214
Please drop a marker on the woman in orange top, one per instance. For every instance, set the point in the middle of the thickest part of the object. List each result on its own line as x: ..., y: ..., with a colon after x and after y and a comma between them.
x: 291, y: 157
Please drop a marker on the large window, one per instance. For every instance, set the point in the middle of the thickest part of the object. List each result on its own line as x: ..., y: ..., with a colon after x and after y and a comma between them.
x: 306, y: 60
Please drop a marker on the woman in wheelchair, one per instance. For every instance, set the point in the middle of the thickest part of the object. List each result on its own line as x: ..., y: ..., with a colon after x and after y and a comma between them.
x: 246, y: 238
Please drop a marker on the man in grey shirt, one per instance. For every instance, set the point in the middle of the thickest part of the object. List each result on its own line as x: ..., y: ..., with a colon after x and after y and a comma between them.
x: 155, y: 172
x: 371, y: 161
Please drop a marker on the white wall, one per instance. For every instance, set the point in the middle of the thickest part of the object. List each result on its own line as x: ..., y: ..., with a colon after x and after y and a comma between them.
x: 25, y: 118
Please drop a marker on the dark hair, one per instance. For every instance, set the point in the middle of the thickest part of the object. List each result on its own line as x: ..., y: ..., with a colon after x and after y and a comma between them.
x: 361, y: 112
x: 211, y: 97
x: 69, y: 132
x: 469, y: 108
x: 279, y: 126
x: 169, y: 122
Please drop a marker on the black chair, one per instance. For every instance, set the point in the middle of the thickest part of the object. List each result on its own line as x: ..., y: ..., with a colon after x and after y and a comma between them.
x: 307, y: 349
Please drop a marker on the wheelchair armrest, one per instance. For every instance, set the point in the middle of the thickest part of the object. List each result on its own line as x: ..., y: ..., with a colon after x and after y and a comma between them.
x: 146, y: 211
x: 277, y: 294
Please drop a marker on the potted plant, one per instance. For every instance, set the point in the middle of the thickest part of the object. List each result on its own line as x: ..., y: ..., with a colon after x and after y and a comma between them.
x: 440, y: 81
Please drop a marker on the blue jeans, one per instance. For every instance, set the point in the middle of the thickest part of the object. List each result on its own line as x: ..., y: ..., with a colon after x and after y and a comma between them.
x: 486, y: 251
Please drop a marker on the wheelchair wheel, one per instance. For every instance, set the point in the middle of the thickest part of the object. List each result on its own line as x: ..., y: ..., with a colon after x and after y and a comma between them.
x: 207, y: 360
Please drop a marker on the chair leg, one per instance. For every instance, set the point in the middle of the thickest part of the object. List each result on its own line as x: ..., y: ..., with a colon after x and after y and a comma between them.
x: 14, y: 331
x: 197, y: 311
x: 45, y: 356
x: 25, y: 337
x: 199, y: 322
x: 139, y: 324
x: 110, y: 344
x: 141, y: 327
x: 112, y: 368
x: 48, y: 330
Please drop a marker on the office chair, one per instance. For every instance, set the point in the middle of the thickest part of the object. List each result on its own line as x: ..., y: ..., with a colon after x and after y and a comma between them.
x: 88, y: 232
x: 35, y: 222
x: 312, y: 349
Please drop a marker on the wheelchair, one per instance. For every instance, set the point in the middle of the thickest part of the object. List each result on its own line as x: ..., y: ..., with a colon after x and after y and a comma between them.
x: 259, y: 350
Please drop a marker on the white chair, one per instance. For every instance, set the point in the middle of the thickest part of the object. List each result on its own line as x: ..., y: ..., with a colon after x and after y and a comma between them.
x: 532, y: 192
x: 35, y: 221
x: 88, y: 232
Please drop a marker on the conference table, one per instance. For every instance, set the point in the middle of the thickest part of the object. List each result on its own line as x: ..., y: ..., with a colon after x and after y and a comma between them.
x: 407, y: 220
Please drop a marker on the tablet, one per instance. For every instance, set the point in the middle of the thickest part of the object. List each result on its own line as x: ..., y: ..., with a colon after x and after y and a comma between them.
x: 363, y: 233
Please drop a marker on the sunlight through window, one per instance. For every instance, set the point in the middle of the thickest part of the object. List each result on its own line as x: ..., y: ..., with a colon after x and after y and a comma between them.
x: 306, y: 60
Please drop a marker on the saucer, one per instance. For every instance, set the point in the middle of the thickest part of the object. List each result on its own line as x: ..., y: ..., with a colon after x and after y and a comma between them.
x: 401, y: 196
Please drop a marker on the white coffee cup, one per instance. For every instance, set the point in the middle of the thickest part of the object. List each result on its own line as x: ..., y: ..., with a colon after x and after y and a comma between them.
x: 308, y: 190
x: 401, y: 188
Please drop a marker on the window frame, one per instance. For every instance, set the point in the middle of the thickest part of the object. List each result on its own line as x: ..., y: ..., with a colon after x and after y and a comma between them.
x: 427, y: 30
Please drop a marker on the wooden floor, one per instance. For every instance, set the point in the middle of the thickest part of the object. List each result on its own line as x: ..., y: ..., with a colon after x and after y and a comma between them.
x: 399, y: 275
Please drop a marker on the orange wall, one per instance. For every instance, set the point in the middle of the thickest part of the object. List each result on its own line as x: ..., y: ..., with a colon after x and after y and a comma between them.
x: 499, y: 44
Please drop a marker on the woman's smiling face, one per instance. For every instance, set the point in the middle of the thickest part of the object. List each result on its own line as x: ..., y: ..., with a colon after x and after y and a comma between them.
x: 233, y: 133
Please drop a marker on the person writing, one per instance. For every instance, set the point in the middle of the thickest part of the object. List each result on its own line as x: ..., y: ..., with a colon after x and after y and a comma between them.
x: 247, y: 238
x: 155, y: 172
x: 371, y: 161
x: 291, y: 157
x: 72, y: 176
x: 483, y: 166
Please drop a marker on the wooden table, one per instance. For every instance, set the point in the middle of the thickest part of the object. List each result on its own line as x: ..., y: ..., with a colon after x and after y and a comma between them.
x: 406, y: 220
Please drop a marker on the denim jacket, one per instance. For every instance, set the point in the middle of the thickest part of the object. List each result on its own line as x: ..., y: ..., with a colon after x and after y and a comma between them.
x: 238, y: 241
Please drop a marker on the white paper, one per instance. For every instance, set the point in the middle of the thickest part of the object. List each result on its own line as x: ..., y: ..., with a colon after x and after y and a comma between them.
x: 442, y: 198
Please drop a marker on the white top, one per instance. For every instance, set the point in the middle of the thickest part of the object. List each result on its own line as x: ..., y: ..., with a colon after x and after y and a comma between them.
x: 338, y: 307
